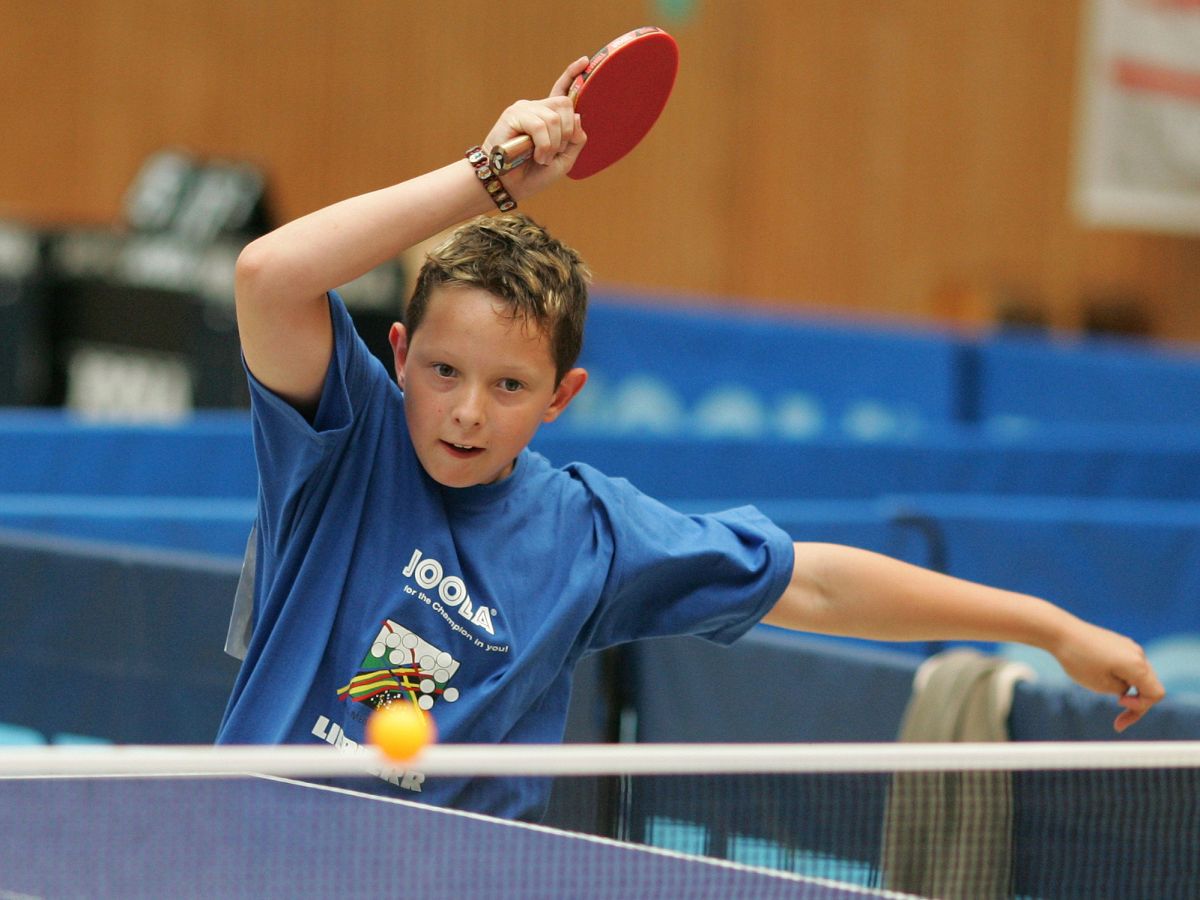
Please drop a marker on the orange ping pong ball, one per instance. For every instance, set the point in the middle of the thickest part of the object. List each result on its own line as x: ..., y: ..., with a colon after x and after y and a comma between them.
x: 400, y: 730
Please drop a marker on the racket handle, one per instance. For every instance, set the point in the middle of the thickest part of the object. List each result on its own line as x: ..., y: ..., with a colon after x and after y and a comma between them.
x: 512, y: 153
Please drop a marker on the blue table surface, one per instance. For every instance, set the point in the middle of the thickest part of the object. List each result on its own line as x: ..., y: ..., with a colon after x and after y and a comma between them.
x: 266, y: 837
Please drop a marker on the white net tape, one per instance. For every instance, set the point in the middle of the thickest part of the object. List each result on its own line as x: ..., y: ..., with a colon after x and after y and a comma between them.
x: 602, y: 759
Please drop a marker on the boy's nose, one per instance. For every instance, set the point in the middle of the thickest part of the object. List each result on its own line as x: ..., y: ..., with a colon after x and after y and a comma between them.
x: 468, y: 411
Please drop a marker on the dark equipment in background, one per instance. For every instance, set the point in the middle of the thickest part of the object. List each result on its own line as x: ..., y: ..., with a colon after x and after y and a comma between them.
x: 137, y: 320
x: 142, y: 316
x: 24, y: 338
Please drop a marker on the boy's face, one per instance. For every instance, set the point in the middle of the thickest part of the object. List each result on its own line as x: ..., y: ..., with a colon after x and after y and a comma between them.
x: 477, y: 384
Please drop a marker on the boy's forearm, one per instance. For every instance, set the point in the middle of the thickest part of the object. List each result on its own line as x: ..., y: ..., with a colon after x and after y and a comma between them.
x: 334, y: 245
x: 845, y: 591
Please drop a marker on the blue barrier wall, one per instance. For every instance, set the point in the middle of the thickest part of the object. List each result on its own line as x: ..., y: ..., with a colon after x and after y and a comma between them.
x: 950, y: 461
x: 1027, y: 381
x: 687, y: 370
x: 210, y: 456
x: 206, y: 455
x: 1129, y: 565
x: 713, y: 371
x: 111, y: 641
x: 777, y: 686
x: 193, y: 524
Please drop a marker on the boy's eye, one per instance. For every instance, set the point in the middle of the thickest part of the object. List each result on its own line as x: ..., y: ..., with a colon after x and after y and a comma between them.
x: 446, y: 371
x: 511, y: 385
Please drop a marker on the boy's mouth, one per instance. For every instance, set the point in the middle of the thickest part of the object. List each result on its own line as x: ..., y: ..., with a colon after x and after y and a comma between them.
x: 462, y: 451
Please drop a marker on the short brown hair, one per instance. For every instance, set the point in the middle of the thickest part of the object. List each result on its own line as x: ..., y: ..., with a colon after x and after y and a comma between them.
x: 511, y: 256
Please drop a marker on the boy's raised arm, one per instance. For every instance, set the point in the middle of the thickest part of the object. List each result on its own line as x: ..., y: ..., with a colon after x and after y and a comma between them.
x: 282, y: 278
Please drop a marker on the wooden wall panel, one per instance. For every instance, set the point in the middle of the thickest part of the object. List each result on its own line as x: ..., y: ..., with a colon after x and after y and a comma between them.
x: 902, y: 157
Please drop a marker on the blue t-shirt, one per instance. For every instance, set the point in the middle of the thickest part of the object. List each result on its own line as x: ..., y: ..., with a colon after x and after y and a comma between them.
x: 374, y: 582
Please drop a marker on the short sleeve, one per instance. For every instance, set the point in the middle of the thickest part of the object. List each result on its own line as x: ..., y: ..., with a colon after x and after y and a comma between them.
x: 713, y: 576
x: 289, y: 448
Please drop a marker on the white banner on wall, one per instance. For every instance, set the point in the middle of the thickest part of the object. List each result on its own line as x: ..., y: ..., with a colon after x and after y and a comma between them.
x: 1138, y: 153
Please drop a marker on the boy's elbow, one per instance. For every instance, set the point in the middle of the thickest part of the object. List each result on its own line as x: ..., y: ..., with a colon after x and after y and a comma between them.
x: 252, y: 268
x: 263, y: 277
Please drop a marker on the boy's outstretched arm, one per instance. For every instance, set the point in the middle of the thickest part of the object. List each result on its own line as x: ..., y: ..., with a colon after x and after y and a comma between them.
x: 845, y: 591
x: 281, y: 279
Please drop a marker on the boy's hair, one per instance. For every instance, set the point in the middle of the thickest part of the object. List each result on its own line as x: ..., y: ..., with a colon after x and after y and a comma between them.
x: 544, y: 281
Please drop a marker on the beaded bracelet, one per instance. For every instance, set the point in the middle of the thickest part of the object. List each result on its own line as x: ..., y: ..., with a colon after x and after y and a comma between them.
x: 490, y: 180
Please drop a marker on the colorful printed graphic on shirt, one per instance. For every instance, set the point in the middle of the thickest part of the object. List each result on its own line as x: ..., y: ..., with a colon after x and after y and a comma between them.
x: 402, y: 665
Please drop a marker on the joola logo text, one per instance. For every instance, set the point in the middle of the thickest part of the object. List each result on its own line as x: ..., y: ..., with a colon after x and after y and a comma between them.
x: 451, y: 590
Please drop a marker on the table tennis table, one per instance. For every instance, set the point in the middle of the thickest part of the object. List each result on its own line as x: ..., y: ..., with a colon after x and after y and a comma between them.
x: 264, y: 837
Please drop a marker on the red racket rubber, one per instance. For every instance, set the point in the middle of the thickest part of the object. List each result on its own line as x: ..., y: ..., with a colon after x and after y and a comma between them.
x: 619, y: 97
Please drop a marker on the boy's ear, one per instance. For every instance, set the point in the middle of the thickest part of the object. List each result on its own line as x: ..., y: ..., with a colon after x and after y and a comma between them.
x: 398, y: 338
x: 572, y: 383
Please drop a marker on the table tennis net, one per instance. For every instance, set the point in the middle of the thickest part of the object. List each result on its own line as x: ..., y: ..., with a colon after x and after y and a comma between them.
x: 949, y: 821
x: 970, y: 835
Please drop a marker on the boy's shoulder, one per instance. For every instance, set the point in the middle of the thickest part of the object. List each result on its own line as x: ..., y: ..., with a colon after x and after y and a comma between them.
x: 540, y: 472
x: 574, y: 483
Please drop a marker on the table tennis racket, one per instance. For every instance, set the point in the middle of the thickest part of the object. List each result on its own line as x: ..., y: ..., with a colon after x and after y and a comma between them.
x: 619, y: 97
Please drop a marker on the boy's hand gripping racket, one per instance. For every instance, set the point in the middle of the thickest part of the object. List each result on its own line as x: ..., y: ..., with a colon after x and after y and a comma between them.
x: 619, y: 96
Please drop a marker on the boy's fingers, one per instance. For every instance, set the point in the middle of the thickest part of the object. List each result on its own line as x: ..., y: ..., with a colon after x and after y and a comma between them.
x: 1138, y: 704
x: 1142, y: 686
x: 549, y: 136
x: 1149, y: 687
x: 1125, y: 719
x: 1135, y: 708
x: 541, y: 121
x: 575, y: 145
x: 564, y: 80
x: 551, y: 124
x: 567, y: 121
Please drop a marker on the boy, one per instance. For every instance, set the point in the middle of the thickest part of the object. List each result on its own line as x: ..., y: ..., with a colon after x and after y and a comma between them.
x: 410, y: 547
